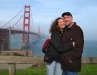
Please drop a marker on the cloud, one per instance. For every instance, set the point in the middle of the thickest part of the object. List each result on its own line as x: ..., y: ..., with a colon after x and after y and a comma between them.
x: 45, y: 11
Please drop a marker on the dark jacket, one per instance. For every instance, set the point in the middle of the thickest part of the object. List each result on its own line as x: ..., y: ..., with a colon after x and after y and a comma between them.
x: 74, y: 55
x: 55, y: 45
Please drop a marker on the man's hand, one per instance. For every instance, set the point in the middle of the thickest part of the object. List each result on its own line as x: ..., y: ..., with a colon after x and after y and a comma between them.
x: 73, y: 44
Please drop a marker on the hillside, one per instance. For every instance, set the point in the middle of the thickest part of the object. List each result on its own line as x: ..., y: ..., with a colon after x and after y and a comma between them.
x: 43, y: 36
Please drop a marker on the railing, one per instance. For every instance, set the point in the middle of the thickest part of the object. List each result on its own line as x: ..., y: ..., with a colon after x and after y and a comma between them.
x: 13, y: 60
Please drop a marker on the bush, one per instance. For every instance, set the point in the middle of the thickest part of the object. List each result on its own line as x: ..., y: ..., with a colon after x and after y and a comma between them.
x: 6, y: 54
x: 17, y: 54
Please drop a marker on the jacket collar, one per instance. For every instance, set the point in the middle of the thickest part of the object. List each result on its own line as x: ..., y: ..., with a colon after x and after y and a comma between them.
x: 72, y: 26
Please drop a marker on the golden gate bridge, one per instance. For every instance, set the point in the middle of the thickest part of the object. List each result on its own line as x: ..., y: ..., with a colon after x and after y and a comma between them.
x: 19, y: 24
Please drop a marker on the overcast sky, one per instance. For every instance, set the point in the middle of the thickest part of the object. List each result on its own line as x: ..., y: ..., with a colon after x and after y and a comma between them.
x: 45, y: 11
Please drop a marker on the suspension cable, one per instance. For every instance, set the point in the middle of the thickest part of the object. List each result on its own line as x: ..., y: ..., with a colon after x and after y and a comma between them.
x: 12, y: 18
x: 17, y: 21
x: 32, y: 22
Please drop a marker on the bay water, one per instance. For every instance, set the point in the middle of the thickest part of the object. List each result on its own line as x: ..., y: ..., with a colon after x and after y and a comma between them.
x: 90, y: 47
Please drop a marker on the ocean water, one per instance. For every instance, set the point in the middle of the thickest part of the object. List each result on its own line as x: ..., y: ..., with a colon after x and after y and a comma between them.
x: 90, y: 47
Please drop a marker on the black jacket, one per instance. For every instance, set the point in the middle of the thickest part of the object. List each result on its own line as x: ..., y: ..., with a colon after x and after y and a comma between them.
x: 56, y: 46
x: 74, y: 55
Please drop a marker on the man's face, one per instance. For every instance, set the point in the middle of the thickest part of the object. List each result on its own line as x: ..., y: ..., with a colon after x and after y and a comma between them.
x: 68, y: 19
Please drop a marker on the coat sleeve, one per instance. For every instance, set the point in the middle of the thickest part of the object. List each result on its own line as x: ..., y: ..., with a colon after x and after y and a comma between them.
x: 79, y: 44
x: 60, y: 46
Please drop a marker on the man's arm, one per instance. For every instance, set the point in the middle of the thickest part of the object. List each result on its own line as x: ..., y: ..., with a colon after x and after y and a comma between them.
x: 60, y: 46
x: 79, y: 44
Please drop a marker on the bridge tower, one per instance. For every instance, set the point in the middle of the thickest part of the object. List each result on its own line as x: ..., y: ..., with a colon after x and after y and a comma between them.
x: 26, y: 25
x: 39, y: 30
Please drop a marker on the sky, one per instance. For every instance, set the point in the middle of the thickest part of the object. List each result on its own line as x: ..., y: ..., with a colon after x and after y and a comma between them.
x: 45, y: 11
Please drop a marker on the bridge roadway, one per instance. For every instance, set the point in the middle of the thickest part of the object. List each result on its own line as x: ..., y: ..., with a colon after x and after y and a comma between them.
x: 5, y: 38
x: 2, y: 31
x: 21, y: 32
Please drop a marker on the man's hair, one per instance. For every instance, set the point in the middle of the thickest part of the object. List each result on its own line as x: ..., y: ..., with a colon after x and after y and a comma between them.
x: 66, y: 13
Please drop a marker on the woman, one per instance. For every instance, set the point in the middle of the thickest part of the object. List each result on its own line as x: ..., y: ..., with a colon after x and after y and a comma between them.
x: 56, y: 30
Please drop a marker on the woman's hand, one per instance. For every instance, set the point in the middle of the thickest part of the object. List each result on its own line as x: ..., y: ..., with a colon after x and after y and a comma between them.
x: 49, y: 37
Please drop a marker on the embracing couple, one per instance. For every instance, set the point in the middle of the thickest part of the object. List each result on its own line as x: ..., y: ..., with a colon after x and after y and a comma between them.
x: 66, y: 45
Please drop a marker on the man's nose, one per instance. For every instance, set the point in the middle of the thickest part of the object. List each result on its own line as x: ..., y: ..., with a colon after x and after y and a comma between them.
x: 66, y: 19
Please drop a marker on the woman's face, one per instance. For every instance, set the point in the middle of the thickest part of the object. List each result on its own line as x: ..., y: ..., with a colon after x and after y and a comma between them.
x: 61, y: 23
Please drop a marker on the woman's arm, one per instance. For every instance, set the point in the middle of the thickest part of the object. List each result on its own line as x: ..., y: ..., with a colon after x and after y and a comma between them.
x: 59, y: 45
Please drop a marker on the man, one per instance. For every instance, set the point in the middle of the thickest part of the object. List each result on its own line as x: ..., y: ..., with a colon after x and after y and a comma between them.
x: 71, y: 60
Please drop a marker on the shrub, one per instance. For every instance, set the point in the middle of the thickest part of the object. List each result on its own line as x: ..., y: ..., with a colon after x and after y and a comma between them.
x: 17, y: 54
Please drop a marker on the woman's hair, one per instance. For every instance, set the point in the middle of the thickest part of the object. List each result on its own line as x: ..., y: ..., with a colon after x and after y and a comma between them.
x: 54, y: 25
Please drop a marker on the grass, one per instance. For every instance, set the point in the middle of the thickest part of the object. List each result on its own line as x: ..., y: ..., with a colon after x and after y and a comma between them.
x: 36, y: 70
x: 33, y: 70
x: 87, y: 69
